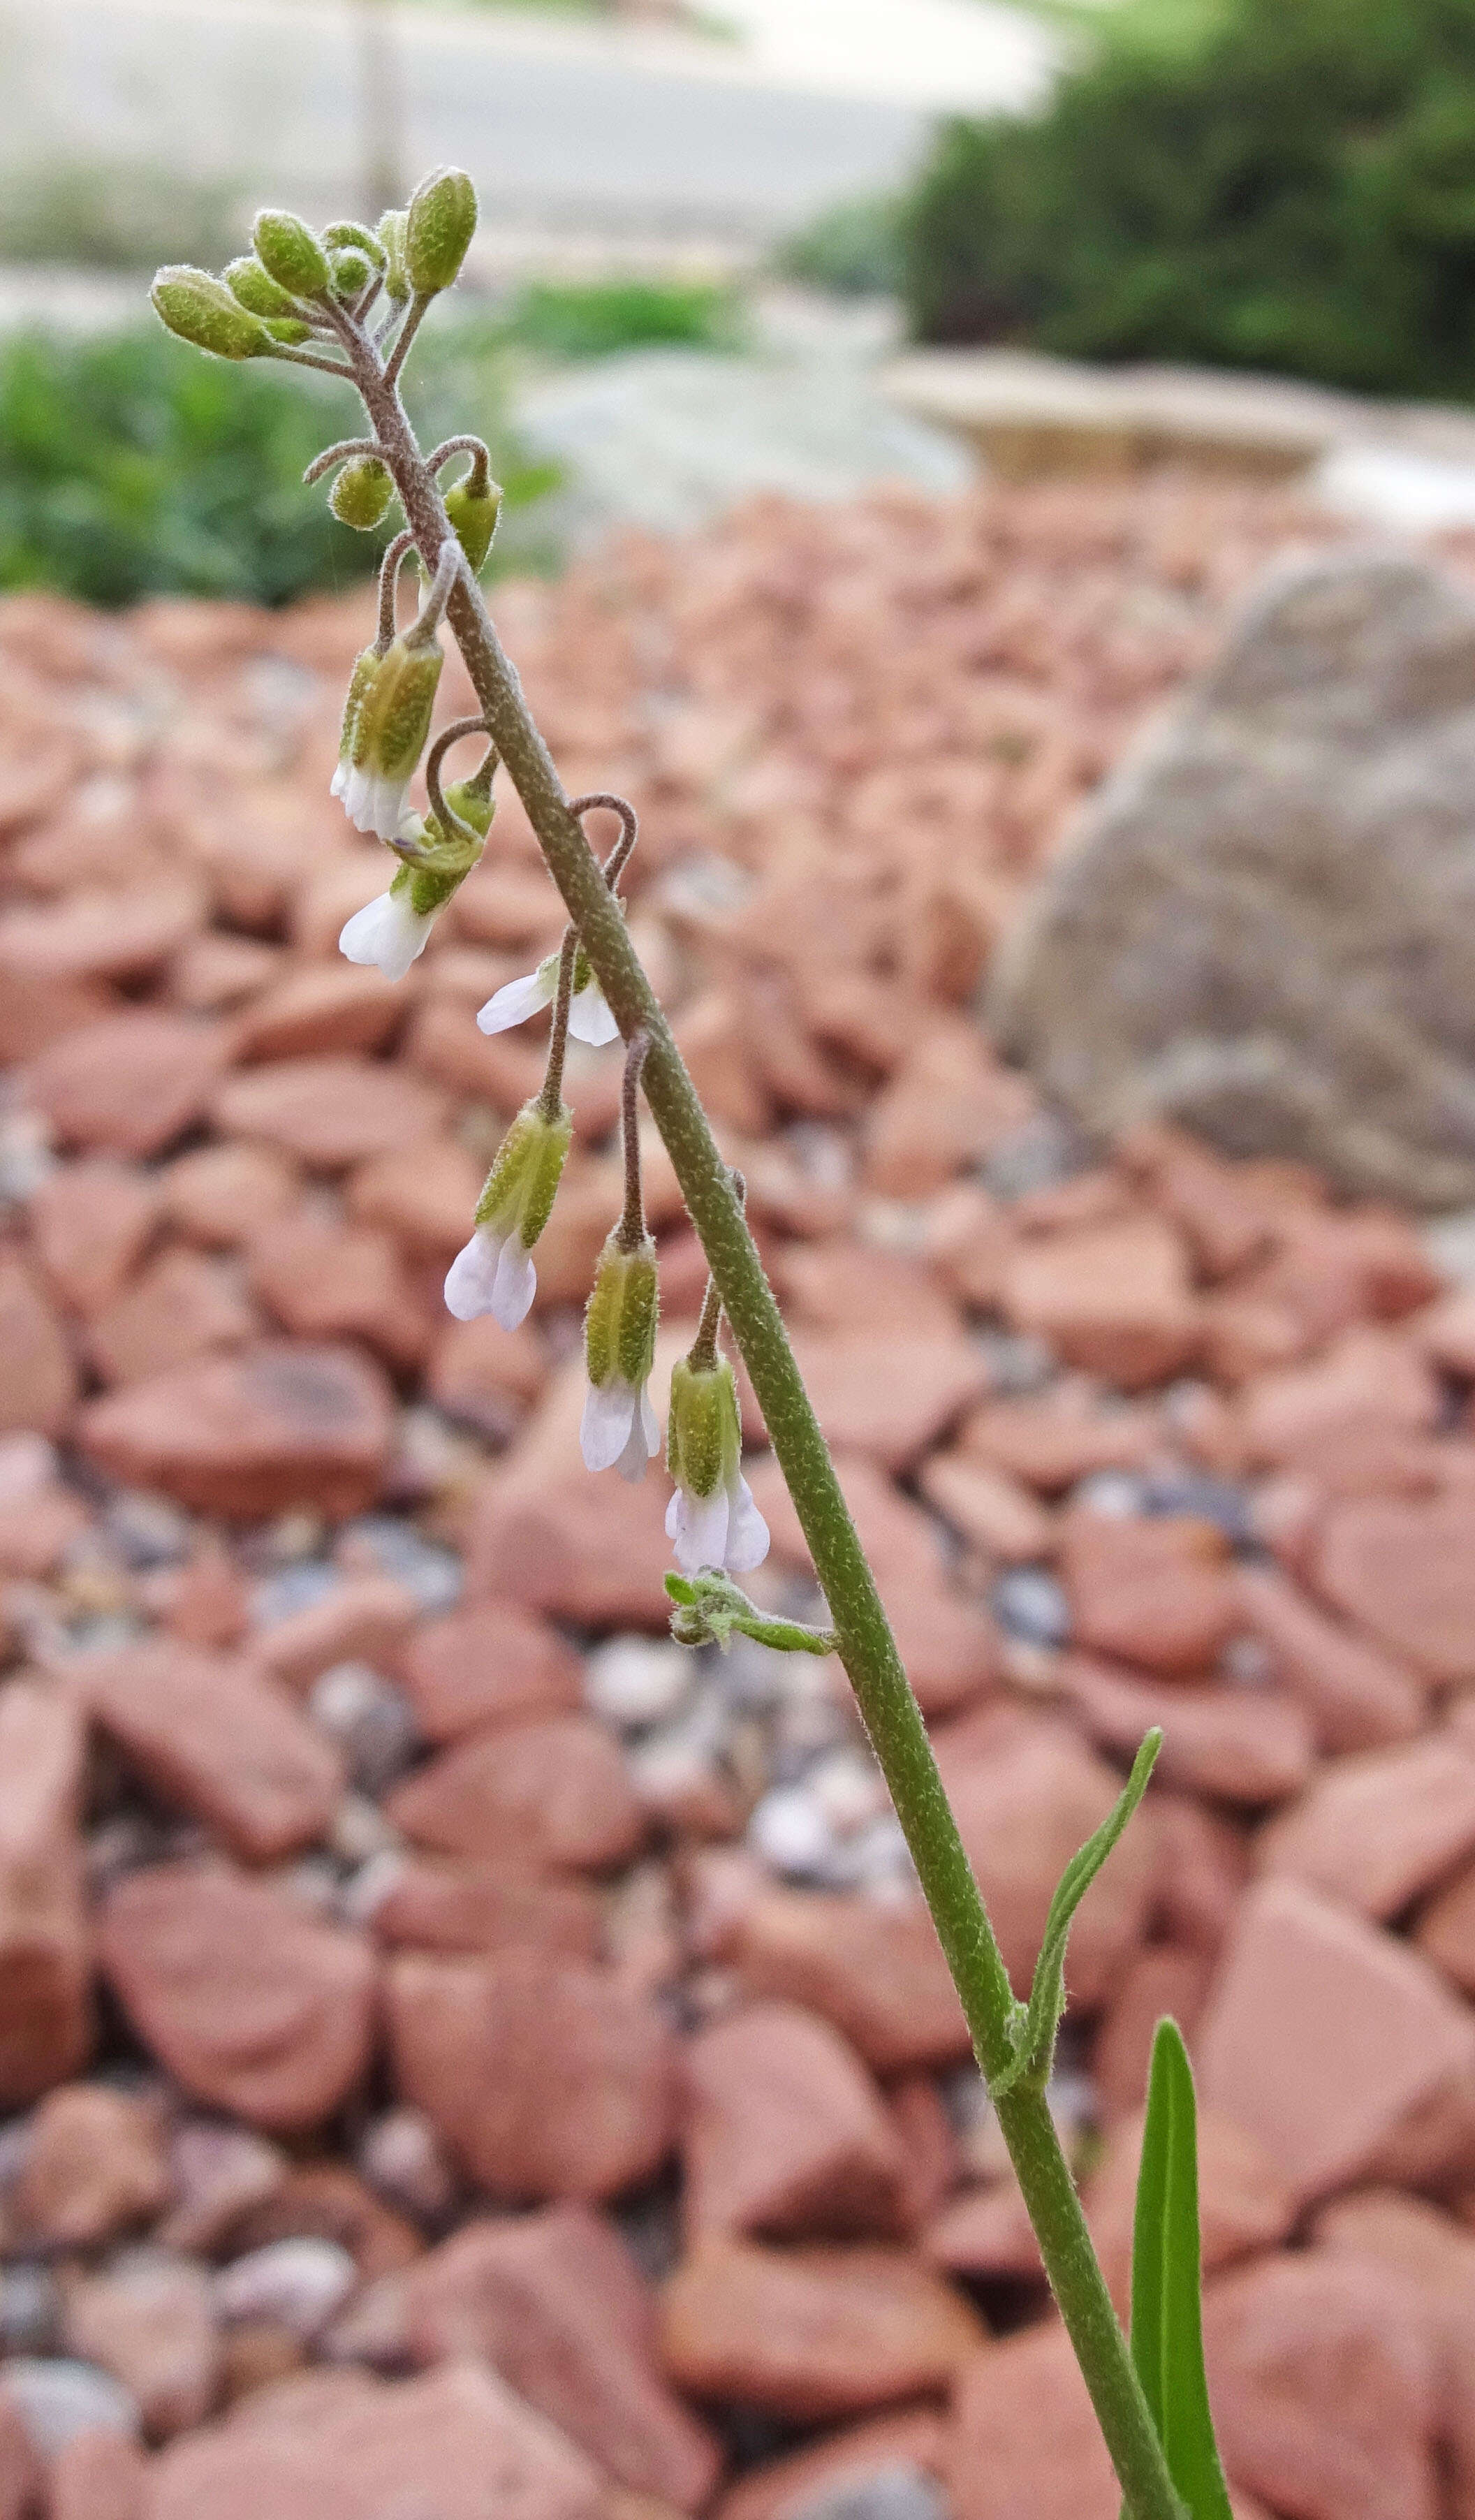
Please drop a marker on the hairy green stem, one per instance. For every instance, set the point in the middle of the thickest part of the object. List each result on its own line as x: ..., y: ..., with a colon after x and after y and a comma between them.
x: 865, y: 1643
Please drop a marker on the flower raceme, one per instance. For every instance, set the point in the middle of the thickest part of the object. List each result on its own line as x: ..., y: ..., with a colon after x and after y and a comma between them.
x: 494, y: 1272
x: 619, y: 1429
x: 392, y: 929
x: 711, y: 1519
x: 588, y: 1017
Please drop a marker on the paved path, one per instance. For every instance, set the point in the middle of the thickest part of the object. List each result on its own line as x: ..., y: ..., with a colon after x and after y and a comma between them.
x: 599, y: 129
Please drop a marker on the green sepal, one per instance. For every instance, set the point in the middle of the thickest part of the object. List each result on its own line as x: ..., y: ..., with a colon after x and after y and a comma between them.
x: 473, y: 521
x: 361, y: 493
x: 1034, y: 2024
x: 440, y: 225
x: 391, y: 235
x: 291, y: 253
x: 254, y: 287
x: 1167, y: 2325
x: 520, y: 1189
x: 436, y: 862
x: 704, y: 1428
x: 621, y: 1315
x: 200, y: 310
x: 393, y: 714
x: 366, y: 665
x: 288, y: 328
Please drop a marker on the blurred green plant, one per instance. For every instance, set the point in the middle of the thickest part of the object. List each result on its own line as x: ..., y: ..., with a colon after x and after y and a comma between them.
x: 592, y: 319
x: 853, y: 250
x: 129, y: 468
x: 1276, y: 184
x: 114, y: 215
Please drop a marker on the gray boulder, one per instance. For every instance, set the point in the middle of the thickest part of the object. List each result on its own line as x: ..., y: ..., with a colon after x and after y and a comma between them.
x: 1264, y: 925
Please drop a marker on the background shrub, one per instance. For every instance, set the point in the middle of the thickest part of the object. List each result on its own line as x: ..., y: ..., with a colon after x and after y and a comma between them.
x: 131, y: 467
x: 1275, y: 184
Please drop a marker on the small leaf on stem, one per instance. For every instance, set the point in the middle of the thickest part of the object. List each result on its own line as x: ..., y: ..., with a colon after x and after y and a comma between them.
x: 1035, y: 2041
x: 710, y: 1607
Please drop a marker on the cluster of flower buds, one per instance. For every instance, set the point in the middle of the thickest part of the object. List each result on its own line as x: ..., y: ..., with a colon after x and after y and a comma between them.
x: 283, y: 292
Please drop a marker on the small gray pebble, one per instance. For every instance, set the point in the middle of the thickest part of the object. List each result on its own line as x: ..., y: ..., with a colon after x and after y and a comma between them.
x: 900, y: 2493
x: 56, y: 2398
x: 1029, y: 1604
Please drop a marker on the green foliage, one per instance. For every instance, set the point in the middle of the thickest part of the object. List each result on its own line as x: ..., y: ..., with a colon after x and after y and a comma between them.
x: 114, y: 215
x: 1275, y: 184
x: 1167, y: 2332
x: 853, y: 250
x: 129, y: 466
x: 1036, y: 2023
x: 591, y: 319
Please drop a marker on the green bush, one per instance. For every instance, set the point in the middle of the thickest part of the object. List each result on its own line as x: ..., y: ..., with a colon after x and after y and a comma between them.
x: 853, y: 250
x: 591, y: 319
x: 130, y: 467
x: 1275, y: 184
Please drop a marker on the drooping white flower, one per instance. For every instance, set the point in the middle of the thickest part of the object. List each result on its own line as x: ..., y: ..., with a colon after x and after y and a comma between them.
x: 494, y: 1272
x: 388, y: 932
x: 619, y: 1429
x: 588, y: 1017
x: 711, y: 1518
x: 394, y: 927
x: 387, y: 717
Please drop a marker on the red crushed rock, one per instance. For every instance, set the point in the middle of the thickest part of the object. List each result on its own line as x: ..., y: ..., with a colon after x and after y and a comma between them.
x: 361, y: 1870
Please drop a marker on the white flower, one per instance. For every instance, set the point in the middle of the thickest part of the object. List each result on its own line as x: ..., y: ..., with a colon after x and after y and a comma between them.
x: 492, y: 1274
x: 588, y: 1017
x: 619, y: 1430
x: 723, y: 1529
x: 711, y: 1517
x: 388, y: 931
x: 372, y: 801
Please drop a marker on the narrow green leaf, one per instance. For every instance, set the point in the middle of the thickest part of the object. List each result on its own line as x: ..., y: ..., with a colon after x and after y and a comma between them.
x: 1167, y: 2325
x: 1047, y: 1995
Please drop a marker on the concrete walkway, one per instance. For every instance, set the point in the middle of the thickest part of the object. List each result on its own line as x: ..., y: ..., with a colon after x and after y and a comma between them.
x: 570, y: 124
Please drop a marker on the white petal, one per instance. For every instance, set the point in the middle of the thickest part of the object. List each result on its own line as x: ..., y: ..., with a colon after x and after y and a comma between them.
x: 609, y: 1418
x: 747, y: 1532
x: 388, y: 932
x: 513, y: 1002
x: 339, y: 780
x: 698, y: 1526
x: 516, y: 1283
x: 643, y: 1444
x: 588, y: 1017
x: 472, y: 1276
x: 375, y: 804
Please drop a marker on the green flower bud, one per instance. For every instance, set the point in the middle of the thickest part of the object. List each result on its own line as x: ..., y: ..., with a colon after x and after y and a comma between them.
x: 344, y: 232
x: 352, y: 272
x: 391, y: 233
x: 254, y: 289
x: 289, y: 328
x: 621, y: 1315
x: 440, y: 225
x: 473, y: 521
x: 523, y: 1182
x: 291, y: 253
x: 361, y: 493
x: 704, y: 1430
x: 199, y: 308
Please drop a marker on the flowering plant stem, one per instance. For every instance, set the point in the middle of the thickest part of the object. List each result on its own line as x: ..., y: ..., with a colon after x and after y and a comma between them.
x: 863, y: 1633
